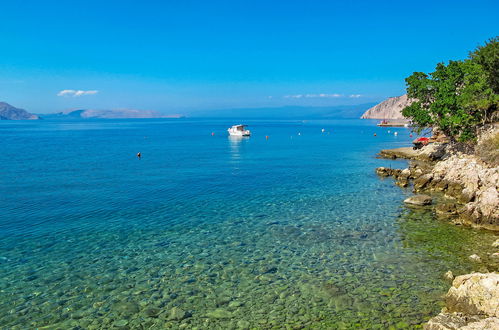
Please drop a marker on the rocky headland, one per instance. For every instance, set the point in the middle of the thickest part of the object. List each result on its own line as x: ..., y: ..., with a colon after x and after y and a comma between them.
x: 460, y: 186
x: 9, y: 112
x: 388, y: 109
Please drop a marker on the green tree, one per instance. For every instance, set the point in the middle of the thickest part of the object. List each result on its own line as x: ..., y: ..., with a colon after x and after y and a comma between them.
x: 457, y: 98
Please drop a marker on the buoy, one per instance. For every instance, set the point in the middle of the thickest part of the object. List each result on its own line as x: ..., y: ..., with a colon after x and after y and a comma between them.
x: 388, y: 131
x: 395, y: 133
x: 139, y: 155
x: 212, y: 133
x: 323, y: 130
x: 266, y: 137
x: 410, y: 135
x: 374, y: 134
x: 299, y: 133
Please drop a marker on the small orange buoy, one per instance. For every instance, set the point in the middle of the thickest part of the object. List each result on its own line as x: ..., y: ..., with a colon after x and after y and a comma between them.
x: 266, y: 137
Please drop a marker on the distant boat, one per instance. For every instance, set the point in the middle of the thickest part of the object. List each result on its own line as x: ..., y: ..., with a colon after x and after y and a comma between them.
x: 238, y: 130
x: 385, y: 123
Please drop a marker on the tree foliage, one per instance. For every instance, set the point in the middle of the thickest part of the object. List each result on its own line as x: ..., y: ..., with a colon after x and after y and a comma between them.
x: 458, y: 97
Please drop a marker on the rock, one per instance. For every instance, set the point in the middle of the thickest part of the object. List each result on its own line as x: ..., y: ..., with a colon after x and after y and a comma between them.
x: 402, y: 182
x: 474, y: 294
x: 219, y: 314
x: 382, y: 171
x: 472, y: 303
x: 446, y: 209
x: 475, y: 258
x: 448, y: 321
x: 432, y: 151
x: 485, y: 324
x: 419, y: 200
x: 391, y: 108
x: 405, y: 152
x: 178, y: 314
x: 152, y: 311
x: 385, y: 171
x: 422, y: 182
x: 448, y: 275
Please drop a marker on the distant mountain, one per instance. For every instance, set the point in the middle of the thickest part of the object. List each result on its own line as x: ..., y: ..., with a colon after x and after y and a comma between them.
x: 109, y: 114
x: 288, y: 112
x: 8, y: 112
x: 388, y: 109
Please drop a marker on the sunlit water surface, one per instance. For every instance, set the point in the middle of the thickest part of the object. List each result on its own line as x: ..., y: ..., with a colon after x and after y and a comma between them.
x: 206, y: 231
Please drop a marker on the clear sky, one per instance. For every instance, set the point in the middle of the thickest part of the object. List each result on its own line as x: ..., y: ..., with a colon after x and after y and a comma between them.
x: 182, y: 56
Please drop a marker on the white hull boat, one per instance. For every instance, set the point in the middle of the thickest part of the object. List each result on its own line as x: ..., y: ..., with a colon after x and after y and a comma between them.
x: 238, y: 130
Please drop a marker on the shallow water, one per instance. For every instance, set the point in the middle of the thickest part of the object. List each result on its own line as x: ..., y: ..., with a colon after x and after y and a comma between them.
x: 212, y: 232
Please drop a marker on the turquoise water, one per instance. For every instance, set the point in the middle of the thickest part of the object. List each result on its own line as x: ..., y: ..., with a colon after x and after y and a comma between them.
x: 206, y: 231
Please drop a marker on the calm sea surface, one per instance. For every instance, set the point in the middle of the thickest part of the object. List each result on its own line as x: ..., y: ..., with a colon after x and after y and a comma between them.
x: 212, y: 232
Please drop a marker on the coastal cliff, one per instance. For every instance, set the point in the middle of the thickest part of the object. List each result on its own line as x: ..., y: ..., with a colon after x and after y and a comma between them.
x: 388, y: 109
x: 9, y: 112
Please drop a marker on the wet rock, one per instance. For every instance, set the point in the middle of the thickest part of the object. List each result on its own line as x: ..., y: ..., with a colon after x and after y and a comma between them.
x: 402, y: 182
x: 385, y: 171
x: 419, y: 200
x: 422, y: 182
x: 446, y: 209
x: 178, y: 314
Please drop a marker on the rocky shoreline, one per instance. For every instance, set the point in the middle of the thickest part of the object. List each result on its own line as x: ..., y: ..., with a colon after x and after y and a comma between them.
x: 461, y: 189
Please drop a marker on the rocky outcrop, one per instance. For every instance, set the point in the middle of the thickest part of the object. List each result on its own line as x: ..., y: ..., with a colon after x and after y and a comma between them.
x: 419, y: 200
x: 388, y: 109
x: 8, y: 112
x: 470, y: 185
x: 471, y: 303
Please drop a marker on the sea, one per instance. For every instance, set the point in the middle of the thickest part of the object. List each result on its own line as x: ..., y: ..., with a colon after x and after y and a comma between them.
x: 287, y: 229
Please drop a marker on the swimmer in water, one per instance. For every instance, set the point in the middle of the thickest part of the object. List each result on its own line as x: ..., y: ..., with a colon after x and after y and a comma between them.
x: 139, y: 155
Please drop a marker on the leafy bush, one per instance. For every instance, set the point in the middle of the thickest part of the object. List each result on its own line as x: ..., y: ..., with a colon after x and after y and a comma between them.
x: 458, y: 98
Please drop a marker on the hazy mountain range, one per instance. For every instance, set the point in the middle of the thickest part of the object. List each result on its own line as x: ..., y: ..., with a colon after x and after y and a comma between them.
x: 109, y: 114
x: 288, y: 112
x: 388, y: 109
x: 9, y: 112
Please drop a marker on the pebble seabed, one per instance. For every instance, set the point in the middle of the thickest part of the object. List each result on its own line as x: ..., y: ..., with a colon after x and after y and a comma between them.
x: 315, y: 240
x: 258, y: 271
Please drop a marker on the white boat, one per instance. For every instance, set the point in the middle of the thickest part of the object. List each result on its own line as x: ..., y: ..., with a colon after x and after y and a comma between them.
x: 238, y: 130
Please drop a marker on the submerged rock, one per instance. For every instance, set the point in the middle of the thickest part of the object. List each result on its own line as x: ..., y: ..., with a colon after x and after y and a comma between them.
x: 419, y: 200
x: 178, y: 314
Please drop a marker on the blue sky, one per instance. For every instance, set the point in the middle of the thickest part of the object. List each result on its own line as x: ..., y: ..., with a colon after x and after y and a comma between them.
x: 183, y: 56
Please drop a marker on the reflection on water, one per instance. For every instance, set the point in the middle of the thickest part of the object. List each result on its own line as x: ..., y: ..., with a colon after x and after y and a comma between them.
x: 235, y: 144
